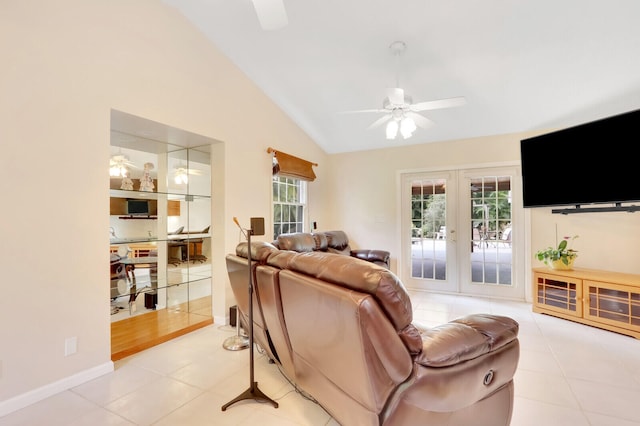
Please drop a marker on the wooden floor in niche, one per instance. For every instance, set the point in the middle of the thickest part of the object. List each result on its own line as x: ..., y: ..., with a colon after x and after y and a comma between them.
x: 135, y: 334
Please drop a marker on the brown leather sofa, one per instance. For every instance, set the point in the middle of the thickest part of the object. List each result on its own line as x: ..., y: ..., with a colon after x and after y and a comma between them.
x: 342, y: 331
x: 332, y: 242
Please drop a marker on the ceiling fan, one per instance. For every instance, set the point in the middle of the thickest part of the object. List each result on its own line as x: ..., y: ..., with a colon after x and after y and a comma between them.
x: 400, y: 113
x: 181, y: 174
x: 119, y: 165
x: 271, y: 14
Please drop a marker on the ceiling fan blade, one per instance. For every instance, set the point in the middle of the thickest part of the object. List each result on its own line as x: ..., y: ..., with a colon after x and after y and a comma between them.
x: 420, y: 120
x: 438, y: 104
x: 121, y: 160
x: 380, y: 121
x: 396, y: 96
x: 271, y: 14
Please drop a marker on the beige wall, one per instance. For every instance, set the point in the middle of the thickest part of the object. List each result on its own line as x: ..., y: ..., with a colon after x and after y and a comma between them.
x: 607, y: 241
x: 65, y: 64
x: 372, y: 201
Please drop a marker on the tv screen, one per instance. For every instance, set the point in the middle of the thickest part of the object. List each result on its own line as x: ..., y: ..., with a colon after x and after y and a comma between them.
x: 587, y: 164
x: 137, y: 207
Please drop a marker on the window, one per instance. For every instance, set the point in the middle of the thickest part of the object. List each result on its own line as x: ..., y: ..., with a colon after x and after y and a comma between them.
x: 290, y: 177
x: 289, y: 203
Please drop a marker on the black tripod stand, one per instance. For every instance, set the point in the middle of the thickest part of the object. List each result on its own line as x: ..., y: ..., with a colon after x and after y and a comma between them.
x: 253, y: 392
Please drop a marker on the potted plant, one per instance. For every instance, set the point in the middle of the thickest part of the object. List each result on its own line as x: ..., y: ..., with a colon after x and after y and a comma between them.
x: 560, y: 257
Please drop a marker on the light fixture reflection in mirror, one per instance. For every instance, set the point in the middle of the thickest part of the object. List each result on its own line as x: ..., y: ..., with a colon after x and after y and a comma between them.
x: 181, y: 177
x: 117, y: 171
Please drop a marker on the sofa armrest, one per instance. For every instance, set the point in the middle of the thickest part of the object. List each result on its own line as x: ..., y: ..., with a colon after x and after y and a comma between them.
x: 462, y: 362
x: 372, y: 255
x: 465, y: 338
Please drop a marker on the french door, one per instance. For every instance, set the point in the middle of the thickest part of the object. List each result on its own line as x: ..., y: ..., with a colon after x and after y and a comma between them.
x: 460, y: 232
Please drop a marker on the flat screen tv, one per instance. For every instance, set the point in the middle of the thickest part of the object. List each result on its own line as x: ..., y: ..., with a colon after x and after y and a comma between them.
x: 591, y: 163
x: 138, y: 207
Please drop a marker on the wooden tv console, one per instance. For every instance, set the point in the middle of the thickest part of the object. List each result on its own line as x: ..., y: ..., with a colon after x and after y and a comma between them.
x: 603, y: 299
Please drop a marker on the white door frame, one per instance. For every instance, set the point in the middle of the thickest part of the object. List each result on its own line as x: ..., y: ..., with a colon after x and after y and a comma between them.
x: 516, y: 289
x: 450, y: 284
x: 519, y: 265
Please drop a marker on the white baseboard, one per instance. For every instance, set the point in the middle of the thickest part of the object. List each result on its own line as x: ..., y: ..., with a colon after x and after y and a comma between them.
x: 20, y: 401
x: 221, y: 320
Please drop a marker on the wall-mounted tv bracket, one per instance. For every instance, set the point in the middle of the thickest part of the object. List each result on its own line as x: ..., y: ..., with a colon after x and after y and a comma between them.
x: 618, y: 207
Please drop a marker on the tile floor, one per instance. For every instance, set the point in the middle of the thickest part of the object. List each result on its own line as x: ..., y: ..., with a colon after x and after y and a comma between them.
x: 569, y: 374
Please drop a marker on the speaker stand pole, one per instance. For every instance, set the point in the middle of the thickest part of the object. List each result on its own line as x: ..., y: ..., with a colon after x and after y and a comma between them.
x: 253, y: 392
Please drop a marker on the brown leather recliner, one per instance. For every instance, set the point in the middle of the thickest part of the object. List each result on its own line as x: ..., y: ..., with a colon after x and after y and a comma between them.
x: 342, y: 332
x: 330, y: 241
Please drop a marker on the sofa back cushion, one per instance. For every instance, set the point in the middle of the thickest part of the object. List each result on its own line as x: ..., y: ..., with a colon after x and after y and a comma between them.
x: 338, y: 242
x: 260, y: 250
x: 299, y: 241
x: 361, y: 276
x: 322, y: 243
x: 345, y: 351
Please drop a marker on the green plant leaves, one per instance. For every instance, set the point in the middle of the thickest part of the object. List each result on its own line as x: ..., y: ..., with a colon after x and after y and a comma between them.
x: 562, y: 246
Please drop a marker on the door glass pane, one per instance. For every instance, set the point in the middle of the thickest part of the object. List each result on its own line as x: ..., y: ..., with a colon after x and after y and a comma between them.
x: 428, y: 229
x: 491, y: 230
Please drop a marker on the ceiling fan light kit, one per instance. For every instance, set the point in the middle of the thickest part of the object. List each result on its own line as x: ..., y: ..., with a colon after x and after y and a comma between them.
x: 392, y: 129
x: 406, y: 125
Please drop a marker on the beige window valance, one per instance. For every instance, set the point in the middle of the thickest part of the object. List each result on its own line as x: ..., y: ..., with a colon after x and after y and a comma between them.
x: 289, y: 166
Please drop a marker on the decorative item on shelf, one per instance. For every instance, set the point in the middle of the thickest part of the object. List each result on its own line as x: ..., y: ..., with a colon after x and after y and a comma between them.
x: 127, y: 183
x: 561, y: 257
x: 146, y: 183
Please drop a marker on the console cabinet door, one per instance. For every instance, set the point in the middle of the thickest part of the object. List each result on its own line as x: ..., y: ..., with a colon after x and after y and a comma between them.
x: 558, y: 294
x: 612, y: 304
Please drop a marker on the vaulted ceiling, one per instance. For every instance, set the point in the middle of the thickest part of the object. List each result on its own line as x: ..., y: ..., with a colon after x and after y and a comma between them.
x: 521, y: 65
